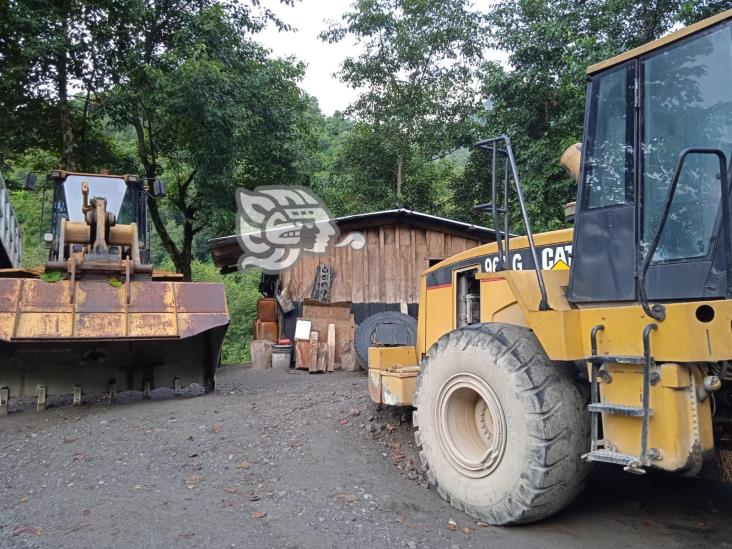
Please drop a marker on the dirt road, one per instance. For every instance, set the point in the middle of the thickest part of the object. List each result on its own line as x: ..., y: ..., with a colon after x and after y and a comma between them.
x: 279, y: 459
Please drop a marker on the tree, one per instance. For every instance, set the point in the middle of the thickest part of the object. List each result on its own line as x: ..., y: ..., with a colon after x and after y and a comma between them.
x: 539, y: 100
x: 207, y: 109
x: 695, y: 10
x: 361, y: 176
x: 48, y: 50
x: 418, y: 70
x: 211, y: 112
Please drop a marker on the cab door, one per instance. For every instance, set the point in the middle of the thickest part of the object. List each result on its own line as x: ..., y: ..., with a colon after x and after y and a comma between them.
x: 605, y: 241
x: 686, y: 102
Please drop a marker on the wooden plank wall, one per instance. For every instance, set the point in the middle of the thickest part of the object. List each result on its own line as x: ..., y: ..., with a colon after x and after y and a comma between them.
x: 385, y: 270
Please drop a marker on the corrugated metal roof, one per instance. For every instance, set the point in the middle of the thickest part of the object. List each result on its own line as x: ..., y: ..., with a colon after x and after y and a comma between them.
x: 225, y: 250
x: 413, y: 217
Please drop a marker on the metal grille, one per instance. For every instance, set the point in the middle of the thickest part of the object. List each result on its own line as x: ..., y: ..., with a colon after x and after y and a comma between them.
x: 9, y: 229
x: 324, y: 276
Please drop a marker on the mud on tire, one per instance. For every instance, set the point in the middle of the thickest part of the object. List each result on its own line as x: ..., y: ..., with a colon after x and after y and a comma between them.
x: 500, y: 428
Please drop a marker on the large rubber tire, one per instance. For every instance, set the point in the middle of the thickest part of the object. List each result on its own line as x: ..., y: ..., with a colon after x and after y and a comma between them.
x: 367, y: 328
x: 501, y: 428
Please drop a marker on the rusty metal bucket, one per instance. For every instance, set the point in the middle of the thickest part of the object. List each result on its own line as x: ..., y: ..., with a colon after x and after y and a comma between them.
x: 94, y: 336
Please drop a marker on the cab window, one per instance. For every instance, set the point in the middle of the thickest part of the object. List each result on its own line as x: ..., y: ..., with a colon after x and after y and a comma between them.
x: 685, y: 104
x: 609, y: 153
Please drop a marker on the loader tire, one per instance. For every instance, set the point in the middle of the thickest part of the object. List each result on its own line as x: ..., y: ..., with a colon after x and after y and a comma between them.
x: 500, y: 428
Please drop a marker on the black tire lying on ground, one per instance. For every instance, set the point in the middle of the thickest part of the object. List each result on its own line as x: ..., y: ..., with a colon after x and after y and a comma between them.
x: 501, y: 428
x: 367, y: 330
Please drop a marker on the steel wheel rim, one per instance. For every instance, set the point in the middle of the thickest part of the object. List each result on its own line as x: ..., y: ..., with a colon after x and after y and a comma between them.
x: 471, y: 425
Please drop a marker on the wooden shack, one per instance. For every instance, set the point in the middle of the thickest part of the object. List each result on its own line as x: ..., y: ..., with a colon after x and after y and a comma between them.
x: 384, y: 274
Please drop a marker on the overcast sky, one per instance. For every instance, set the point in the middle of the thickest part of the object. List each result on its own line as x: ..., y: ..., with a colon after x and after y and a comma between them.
x: 309, y: 18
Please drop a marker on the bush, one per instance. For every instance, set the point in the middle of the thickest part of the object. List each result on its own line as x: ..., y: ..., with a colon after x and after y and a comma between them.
x: 242, y: 293
x: 27, y: 206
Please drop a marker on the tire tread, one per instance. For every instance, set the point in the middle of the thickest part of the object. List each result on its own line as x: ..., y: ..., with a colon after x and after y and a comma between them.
x: 555, y: 473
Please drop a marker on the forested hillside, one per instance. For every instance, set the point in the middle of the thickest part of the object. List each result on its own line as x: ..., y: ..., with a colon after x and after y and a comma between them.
x: 181, y: 90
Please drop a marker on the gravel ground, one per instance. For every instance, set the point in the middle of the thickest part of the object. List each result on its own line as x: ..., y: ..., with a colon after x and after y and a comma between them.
x: 287, y: 459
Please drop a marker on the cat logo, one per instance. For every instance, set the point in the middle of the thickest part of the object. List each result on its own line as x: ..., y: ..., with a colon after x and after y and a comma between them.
x: 557, y: 258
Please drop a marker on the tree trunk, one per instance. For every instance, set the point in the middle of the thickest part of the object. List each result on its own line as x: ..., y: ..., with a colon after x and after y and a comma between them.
x: 181, y: 259
x: 187, y: 255
x: 62, y: 82
x: 400, y: 169
x: 182, y: 265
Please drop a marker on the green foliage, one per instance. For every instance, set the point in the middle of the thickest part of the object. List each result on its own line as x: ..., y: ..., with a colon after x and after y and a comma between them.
x: 27, y: 208
x: 242, y: 293
x: 470, y: 188
x: 695, y: 10
x: 539, y: 101
x: 54, y: 276
x: 419, y: 70
x: 28, y: 204
x: 362, y: 172
x: 211, y: 112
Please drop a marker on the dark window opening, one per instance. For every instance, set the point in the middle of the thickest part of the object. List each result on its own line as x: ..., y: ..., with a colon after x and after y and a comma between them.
x: 468, y: 298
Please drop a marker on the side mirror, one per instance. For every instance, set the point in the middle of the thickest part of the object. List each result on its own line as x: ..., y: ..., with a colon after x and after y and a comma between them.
x: 158, y: 190
x: 30, y: 182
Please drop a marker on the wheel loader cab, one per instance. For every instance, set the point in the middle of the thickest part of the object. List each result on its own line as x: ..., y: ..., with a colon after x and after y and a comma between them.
x: 125, y: 197
x: 643, y: 111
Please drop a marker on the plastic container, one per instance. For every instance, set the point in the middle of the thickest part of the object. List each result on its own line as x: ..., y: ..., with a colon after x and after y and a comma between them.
x: 281, y: 357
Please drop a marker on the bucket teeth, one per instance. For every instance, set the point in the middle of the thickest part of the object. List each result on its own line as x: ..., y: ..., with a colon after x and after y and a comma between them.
x: 146, y: 389
x: 41, y: 402
x: 4, y: 399
x: 112, y: 391
x: 177, y: 387
x: 77, y: 395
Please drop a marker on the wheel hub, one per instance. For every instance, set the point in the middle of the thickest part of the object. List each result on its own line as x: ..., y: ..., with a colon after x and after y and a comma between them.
x: 471, y: 425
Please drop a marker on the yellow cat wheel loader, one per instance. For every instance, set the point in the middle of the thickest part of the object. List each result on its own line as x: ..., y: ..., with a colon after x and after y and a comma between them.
x: 612, y: 342
x: 97, y: 318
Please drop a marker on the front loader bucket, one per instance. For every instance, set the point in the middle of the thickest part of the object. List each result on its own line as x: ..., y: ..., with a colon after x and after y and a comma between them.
x: 97, y: 335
